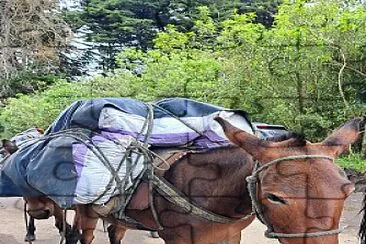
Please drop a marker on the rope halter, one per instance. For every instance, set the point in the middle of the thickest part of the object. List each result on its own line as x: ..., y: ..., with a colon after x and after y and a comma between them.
x: 252, y: 188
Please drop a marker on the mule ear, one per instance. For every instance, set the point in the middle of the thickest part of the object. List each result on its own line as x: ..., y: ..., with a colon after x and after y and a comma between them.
x: 248, y: 142
x: 345, y: 135
x: 9, y: 146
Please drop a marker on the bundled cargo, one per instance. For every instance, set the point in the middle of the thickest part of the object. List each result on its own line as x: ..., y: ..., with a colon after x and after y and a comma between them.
x: 100, y: 148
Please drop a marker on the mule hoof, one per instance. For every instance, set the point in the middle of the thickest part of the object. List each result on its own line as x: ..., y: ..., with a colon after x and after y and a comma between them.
x: 30, y: 238
x: 73, y: 238
x: 154, y: 234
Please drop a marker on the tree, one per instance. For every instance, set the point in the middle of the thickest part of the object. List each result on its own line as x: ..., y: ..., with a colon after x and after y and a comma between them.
x: 136, y: 22
x: 112, y: 25
x: 31, y: 37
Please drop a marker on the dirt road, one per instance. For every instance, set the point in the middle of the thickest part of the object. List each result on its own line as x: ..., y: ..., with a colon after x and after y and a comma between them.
x: 12, y: 227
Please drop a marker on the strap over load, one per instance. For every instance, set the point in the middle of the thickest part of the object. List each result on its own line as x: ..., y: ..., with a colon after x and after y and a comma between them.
x: 85, y: 156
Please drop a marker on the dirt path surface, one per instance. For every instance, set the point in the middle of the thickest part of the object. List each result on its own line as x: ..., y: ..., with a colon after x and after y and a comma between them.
x: 12, y: 228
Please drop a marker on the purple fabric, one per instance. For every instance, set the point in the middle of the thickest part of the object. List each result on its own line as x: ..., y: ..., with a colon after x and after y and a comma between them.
x: 79, y: 152
x: 170, y: 139
x: 209, y: 139
x: 99, y: 139
x: 114, y: 135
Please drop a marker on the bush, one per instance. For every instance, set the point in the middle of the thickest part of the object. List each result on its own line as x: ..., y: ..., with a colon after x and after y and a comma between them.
x: 41, y: 108
x: 352, y: 161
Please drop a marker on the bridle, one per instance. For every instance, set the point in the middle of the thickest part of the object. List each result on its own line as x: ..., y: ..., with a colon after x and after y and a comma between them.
x: 257, y: 208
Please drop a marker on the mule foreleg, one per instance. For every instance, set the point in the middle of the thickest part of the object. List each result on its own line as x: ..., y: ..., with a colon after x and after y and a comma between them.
x: 116, y: 233
x: 74, y: 235
x: 31, y: 228
x: 87, y: 222
x: 59, y: 222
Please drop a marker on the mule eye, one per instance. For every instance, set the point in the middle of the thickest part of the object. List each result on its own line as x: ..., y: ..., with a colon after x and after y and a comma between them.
x: 276, y: 199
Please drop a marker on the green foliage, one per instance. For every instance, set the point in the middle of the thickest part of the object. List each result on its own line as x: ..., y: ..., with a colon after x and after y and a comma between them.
x: 289, y: 74
x: 171, y: 39
x: 41, y: 108
x: 25, y: 81
x: 352, y: 161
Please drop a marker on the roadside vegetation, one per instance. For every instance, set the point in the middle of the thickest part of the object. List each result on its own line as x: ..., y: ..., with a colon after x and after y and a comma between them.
x: 352, y: 161
x: 303, y: 66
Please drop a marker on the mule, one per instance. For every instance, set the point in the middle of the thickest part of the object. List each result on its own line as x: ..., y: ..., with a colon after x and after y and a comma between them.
x: 48, y: 210
x: 296, y: 189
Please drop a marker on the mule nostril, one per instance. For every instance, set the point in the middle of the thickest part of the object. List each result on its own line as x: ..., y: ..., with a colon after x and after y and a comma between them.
x: 40, y: 214
x: 276, y: 199
x: 348, y: 189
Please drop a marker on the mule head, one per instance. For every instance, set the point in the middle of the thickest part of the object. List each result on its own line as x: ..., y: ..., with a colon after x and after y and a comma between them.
x: 299, y: 194
x: 8, y: 147
x: 40, y: 207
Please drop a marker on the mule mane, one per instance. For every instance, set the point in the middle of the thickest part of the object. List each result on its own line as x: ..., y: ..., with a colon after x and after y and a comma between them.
x: 286, y: 136
x: 298, y: 139
x: 225, y: 156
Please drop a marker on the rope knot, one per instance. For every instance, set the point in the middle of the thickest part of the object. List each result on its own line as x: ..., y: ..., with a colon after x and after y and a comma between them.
x: 251, y: 179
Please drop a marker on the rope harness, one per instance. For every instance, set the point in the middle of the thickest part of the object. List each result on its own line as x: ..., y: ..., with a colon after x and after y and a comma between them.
x: 253, y: 180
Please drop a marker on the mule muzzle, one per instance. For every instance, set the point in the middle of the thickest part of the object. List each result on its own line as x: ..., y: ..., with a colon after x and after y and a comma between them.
x: 40, y: 214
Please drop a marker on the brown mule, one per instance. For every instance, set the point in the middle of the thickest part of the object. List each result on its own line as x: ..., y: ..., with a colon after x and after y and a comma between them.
x: 299, y: 191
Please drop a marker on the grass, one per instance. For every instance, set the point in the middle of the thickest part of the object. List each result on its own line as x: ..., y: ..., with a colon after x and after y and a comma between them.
x: 352, y: 161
